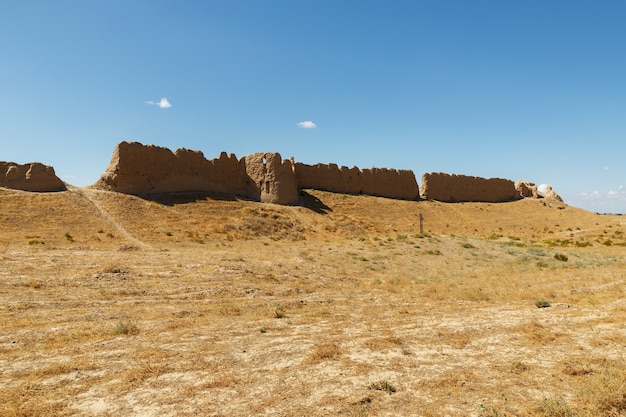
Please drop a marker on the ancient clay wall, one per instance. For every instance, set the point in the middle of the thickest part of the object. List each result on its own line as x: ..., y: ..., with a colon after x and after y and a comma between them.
x: 380, y: 182
x: 526, y: 189
x: 147, y: 169
x: 34, y: 176
x: 272, y: 179
x: 456, y: 188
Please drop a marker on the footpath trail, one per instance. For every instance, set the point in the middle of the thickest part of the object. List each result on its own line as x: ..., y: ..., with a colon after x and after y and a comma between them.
x: 90, y: 195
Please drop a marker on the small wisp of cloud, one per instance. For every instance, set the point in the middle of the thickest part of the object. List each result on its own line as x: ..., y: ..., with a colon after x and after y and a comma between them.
x: 163, y: 103
x: 541, y: 188
x: 307, y: 124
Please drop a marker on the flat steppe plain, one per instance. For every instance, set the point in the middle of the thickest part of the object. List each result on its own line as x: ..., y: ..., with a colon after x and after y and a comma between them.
x: 188, y: 305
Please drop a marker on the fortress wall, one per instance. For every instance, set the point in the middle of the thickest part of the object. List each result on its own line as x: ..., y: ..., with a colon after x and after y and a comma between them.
x: 328, y: 177
x: 227, y: 175
x: 380, y: 182
x: 272, y: 180
x: 392, y: 183
x: 456, y: 188
x: 147, y: 169
x: 33, y: 176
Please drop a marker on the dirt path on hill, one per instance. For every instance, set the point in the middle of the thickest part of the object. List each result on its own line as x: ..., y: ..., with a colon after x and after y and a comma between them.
x: 89, y: 194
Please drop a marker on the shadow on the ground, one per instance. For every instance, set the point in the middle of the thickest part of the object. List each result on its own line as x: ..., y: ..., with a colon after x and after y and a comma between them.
x: 172, y: 199
x: 313, y: 203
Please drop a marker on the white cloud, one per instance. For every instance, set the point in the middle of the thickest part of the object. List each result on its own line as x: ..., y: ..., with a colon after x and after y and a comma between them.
x: 619, y: 193
x: 606, y: 169
x: 307, y: 124
x: 542, y: 188
x: 612, y: 201
x: 584, y: 195
x: 164, y: 104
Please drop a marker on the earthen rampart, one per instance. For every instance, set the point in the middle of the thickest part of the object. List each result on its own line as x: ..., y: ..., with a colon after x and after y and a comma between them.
x: 382, y: 182
x: 33, y: 176
x: 147, y: 169
x: 454, y: 188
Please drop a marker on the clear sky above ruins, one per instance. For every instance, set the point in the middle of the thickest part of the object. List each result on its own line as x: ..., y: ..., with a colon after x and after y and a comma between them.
x: 532, y: 89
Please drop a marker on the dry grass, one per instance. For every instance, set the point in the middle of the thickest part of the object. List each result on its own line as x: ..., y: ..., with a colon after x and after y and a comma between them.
x: 196, y: 304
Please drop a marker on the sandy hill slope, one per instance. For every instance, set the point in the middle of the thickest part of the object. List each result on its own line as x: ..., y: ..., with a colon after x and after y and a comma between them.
x: 198, y: 304
x: 86, y: 213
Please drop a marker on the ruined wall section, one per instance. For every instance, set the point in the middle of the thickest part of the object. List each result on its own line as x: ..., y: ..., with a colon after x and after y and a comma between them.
x: 526, y: 189
x: 454, y: 188
x: 380, y: 182
x: 148, y: 169
x: 273, y: 180
x: 33, y: 176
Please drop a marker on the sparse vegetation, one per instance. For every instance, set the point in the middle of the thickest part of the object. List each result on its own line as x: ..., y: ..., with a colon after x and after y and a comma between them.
x: 543, y: 303
x: 554, y: 406
x: 126, y: 328
x: 294, y: 310
x: 561, y: 257
x: 382, y: 386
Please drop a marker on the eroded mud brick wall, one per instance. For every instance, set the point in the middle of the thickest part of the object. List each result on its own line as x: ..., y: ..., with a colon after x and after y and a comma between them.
x: 33, y: 176
x: 453, y: 188
x: 147, y: 169
x: 380, y: 182
x: 272, y: 179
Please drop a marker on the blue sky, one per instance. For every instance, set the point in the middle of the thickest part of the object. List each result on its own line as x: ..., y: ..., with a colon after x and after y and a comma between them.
x: 532, y: 90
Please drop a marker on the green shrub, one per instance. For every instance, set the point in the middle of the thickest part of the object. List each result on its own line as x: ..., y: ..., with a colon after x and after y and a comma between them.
x: 542, y: 303
x: 560, y: 257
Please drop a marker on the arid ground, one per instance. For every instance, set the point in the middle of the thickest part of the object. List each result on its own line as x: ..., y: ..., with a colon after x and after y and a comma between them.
x: 194, y: 305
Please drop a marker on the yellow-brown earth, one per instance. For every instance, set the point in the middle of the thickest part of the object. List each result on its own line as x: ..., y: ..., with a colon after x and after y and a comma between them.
x: 206, y: 305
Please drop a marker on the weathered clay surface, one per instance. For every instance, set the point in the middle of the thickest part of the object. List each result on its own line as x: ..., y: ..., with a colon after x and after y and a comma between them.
x: 380, y: 182
x: 552, y: 195
x: 526, y: 189
x: 147, y: 169
x: 272, y: 179
x: 456, y: 188
x: 33, y: 176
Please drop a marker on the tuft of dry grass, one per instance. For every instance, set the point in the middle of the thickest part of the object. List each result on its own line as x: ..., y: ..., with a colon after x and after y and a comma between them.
x: 324, y: 352
x: 604, y: 393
